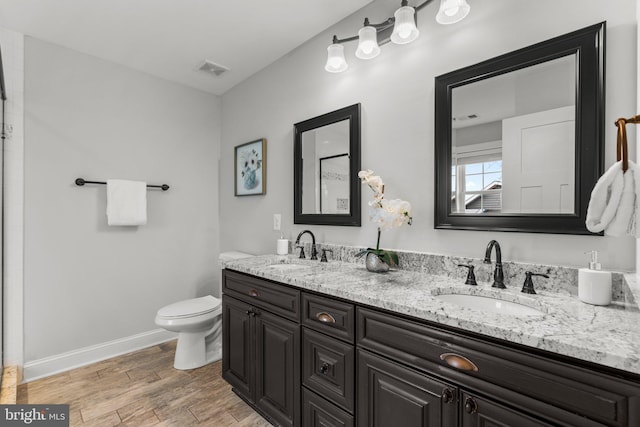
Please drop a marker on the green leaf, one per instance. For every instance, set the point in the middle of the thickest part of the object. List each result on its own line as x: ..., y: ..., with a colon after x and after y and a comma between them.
x: 395, y: 259
x: 389, y: 257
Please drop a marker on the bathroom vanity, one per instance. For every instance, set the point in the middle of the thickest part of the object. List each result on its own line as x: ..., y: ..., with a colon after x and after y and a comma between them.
x: 310, y: 344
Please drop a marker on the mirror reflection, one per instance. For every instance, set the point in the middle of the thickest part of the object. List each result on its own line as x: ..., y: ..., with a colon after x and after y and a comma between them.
x: 513, y: 141
x: 326, y: 161
x: 325, y: 169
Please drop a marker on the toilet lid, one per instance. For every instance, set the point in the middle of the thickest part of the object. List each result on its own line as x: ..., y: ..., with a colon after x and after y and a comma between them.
x: 190, y: 307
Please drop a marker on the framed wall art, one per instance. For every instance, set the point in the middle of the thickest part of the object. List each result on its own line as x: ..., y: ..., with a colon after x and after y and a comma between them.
x: 251, y: 168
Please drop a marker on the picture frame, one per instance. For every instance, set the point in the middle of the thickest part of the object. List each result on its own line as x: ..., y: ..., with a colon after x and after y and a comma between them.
x: 250, y: 168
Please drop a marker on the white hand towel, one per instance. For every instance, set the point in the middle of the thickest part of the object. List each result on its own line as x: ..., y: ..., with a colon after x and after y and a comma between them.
x: 605, y: 199
x: 623, y: 223
x: 126, y: 202
x: 615, y: 202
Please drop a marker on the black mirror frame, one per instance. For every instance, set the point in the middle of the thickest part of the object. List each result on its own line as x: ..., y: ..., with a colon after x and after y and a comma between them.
x: 351, y: 113
x: 589, y: 46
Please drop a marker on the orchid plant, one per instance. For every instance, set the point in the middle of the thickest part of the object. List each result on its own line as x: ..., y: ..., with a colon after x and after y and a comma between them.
x: 386, y: 214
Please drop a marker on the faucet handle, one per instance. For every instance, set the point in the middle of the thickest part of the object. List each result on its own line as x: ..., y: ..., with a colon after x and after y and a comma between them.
x: 471, y: 277
x: 323, y: 258
x: 302, y: 255
x: 527, y: 288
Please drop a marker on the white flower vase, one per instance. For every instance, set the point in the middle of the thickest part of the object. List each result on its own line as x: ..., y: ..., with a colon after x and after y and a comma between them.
x: 250, y: 181
x: 375, y: 264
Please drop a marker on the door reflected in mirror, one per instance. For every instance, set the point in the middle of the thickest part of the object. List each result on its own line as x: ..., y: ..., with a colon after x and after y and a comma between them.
x: 325, y: 169
x: 513, y: 144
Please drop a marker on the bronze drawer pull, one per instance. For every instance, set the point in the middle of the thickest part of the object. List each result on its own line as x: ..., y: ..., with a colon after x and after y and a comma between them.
x: 470, y: 406
x: 325, y: 317
x: 447, y: 395
x: 458, y: 362
x: 324, y: 368
x: 253, y: 293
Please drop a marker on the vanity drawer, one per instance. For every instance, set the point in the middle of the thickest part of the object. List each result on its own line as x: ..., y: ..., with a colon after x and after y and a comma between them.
x: 317, y: 412
x: 273, y: 297
x: 326, y: 315
x: 328, y: 368
x: 504, y: 371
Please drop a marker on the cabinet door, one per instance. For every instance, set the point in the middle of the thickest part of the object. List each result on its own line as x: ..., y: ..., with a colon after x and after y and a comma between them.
x: 391, y: 395
x: 479, y: 412
x: 237, y: 357
x: 328, y: 368
x: 277, y: 384
x: 317, y: 412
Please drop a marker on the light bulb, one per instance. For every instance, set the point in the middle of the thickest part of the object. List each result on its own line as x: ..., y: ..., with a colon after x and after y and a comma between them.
x: 404, y: 31
x: 367, y: 47
x: 451, y: 11
x: 334, y: 63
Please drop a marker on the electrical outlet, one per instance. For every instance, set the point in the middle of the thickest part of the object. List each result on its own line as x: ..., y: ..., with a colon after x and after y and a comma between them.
x: 277, y: 220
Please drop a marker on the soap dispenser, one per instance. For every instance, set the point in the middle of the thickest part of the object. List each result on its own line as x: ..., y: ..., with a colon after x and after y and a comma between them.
x: 282, y: 245
x: 594, y: 285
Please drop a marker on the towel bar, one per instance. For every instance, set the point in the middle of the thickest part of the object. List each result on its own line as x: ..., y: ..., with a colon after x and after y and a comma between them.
x: 622, y: 150
x: 81, y: 181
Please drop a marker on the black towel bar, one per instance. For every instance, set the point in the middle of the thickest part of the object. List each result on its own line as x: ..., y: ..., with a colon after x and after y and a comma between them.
x: 82, y: 181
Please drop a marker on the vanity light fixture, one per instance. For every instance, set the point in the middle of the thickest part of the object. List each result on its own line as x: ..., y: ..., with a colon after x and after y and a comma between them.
x: 399, y: 29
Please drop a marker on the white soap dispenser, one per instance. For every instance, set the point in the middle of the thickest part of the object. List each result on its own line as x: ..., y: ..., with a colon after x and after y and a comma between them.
x: 594, y: 285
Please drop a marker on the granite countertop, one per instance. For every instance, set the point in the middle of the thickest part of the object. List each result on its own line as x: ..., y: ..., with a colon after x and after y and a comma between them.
x: 608, y: 336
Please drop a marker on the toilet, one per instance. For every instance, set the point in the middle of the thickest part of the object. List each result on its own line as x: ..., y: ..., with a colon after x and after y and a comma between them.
x: 198, y: 322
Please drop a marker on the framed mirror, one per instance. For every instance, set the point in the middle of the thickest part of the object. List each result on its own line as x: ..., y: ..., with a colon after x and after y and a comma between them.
x: 325, y: 167
x: 519, y: 138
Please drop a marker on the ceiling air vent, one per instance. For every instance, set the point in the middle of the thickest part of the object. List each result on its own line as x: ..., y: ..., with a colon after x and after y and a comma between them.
x: 212, y: 68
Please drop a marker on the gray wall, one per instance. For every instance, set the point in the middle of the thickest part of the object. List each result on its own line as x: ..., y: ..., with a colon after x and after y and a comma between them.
x: 87, y: 283
x: 396, y: 92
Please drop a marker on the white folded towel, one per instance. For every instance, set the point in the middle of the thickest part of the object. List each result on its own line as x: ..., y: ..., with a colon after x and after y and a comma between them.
x: 126, y: 202
x: 613, y: 207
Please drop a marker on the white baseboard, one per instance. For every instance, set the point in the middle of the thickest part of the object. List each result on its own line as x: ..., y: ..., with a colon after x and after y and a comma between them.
x: 84, y: 356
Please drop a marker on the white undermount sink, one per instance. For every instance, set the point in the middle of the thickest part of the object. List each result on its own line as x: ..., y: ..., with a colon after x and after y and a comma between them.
x: 490, y: 305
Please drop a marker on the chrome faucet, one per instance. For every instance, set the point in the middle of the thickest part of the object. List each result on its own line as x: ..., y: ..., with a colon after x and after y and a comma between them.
x: 498, y: 275
x: 314, y: 253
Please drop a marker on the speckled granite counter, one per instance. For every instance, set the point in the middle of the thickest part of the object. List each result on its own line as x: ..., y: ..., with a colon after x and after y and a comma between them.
x: 608, y: 336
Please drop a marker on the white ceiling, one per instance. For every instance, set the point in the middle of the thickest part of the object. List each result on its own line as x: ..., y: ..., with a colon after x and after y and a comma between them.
x: 171, y: 38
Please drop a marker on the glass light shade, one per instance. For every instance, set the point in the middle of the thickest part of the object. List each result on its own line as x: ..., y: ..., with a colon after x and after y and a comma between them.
x: 404, y: 29
x: 452, y: 11
x: 367, y: 43
x: 335, y: 59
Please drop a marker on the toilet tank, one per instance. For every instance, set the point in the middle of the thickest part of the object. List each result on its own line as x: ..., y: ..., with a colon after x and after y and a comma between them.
x: 225, y: 257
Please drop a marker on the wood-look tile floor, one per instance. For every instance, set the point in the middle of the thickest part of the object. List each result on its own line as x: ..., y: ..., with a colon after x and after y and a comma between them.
x: 143, y: 389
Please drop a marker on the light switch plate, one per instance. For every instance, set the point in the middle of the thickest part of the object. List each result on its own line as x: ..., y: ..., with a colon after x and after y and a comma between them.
x: 277, y: 220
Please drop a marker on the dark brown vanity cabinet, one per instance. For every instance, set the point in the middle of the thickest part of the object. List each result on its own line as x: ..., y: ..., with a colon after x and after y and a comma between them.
x: 328, y: 361
x: 494, y: 384
x: 390, y: 394
x: 304, y: 359
x: 261, y: 350
x: 478, y: 411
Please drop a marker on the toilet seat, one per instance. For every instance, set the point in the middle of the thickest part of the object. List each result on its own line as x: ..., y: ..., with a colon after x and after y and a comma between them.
x: 189, y: 308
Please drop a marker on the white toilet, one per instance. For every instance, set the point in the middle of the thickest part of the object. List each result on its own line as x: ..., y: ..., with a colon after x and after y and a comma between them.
x: 198, y: 322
